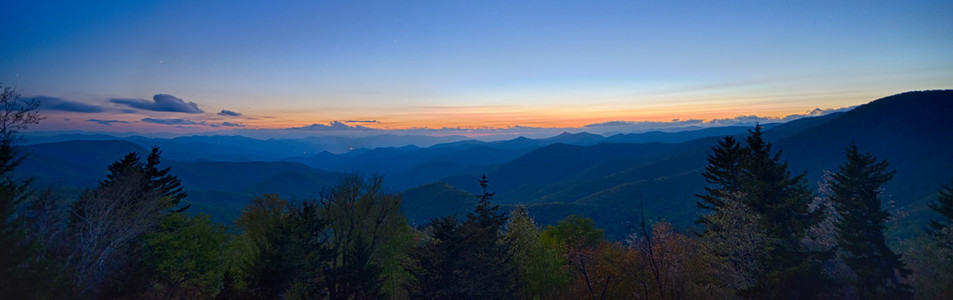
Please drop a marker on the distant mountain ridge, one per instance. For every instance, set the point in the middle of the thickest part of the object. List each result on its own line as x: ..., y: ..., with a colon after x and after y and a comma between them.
x: 609, y: 178
x: 910, y: 130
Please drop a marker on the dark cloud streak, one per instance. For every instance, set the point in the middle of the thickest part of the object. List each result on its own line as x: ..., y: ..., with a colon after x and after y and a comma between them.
x: 171, y: 121
x: 229, y: 113
x: 59, y: 104
x: 106, y: 122
x: 161, y: 102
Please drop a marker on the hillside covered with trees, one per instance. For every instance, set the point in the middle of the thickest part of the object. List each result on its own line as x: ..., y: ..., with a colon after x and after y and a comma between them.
x: 753, y: 226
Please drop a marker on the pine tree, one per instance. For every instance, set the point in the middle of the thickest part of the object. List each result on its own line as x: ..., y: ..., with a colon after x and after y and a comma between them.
x: 942, y: 230
x: 287, y: 249
x: 781, y: 199
x: 437, y: 265
x: 723, y: 175
x: 466, y: 261
x: 162, y: 181
x: 127, y: 206
x: 490, y: 258
x: 856, y: 197
x: 757, y: 175
x: 153, y: 179
x: 783, y: 202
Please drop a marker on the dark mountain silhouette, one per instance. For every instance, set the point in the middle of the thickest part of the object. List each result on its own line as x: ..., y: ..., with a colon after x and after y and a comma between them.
x: 219, y: 188
x: 608, y: 178
x: 910, y: 130
x: 73, y: 163
x: 676, y: 137
x: 434, y: 200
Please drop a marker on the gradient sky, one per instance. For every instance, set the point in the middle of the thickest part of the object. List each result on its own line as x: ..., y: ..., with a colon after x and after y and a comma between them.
x: 462, y: 63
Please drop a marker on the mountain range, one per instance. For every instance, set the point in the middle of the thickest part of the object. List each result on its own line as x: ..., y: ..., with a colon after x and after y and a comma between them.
x: 615, y: 179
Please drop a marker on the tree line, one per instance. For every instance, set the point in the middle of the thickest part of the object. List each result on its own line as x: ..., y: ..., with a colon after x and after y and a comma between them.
x: 761, y: 234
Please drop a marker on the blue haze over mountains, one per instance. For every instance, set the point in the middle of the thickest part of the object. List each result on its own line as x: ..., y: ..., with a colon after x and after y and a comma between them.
x: 605, y: 177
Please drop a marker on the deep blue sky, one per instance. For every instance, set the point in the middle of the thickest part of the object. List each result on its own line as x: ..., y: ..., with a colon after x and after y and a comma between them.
x: 467, y: 63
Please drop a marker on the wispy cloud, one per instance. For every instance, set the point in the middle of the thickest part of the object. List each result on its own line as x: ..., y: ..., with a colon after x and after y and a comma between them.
x: 106, y: 122
x: 229, y: 113
x: 186, y: 122
x: 333, y: 125
x: 161, y: 102
x: 361, y: 121
x: 60, y: 104
x: 230, y: 124
x: 171, y: 121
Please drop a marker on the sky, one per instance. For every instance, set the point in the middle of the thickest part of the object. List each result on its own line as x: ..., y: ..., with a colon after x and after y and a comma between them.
x: 219, y: 66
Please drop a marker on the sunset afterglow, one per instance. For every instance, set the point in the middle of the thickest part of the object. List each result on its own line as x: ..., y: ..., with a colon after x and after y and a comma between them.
x: 462, y: 64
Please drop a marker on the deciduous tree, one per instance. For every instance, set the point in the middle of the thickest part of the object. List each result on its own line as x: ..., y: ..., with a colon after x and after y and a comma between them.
x: 16, y: 114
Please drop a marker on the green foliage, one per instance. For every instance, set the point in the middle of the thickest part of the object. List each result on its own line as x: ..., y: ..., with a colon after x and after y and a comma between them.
x: 342, y: 246
x: 107, y: 228
x: 861, y: 223
x: 540, y: 271
x: 365, y: 226
x: 188, y: 256
x: 437, y: 265
x: 283, y: 249
x: 575, y: 231
x: 930, y: 263
x: 735, y: 246
x: 575, y: 238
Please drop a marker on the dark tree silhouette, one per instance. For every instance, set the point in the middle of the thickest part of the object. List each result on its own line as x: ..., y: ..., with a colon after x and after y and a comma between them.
x: 860, y: 225
x: 723, y: 175
x: 15, y: 248
x: 466, y: 261
x: 942, y: 229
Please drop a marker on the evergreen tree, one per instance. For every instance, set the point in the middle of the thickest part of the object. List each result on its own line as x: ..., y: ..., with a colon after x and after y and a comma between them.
x: 466, y: 261
x: 942, y: 230
x: 783, y: 202
x: 438, y: 266
x: 490, y: 257
x: 723, y: 175
x: 856, y: 197
x: 153, y: 180
x: 781, y: 199
x: 287, y: 251
x: 128, y: 205
x: 755, y: 176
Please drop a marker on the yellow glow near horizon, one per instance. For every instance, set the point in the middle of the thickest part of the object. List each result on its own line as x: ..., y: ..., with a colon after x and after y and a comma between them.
x: 664, y: 108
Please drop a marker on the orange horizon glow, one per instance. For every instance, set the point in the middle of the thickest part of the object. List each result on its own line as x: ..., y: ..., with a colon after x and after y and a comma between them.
x: 565, y: 118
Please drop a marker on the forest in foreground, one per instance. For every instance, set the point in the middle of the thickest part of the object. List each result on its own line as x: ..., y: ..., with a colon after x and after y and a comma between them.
x: 764, y: 234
